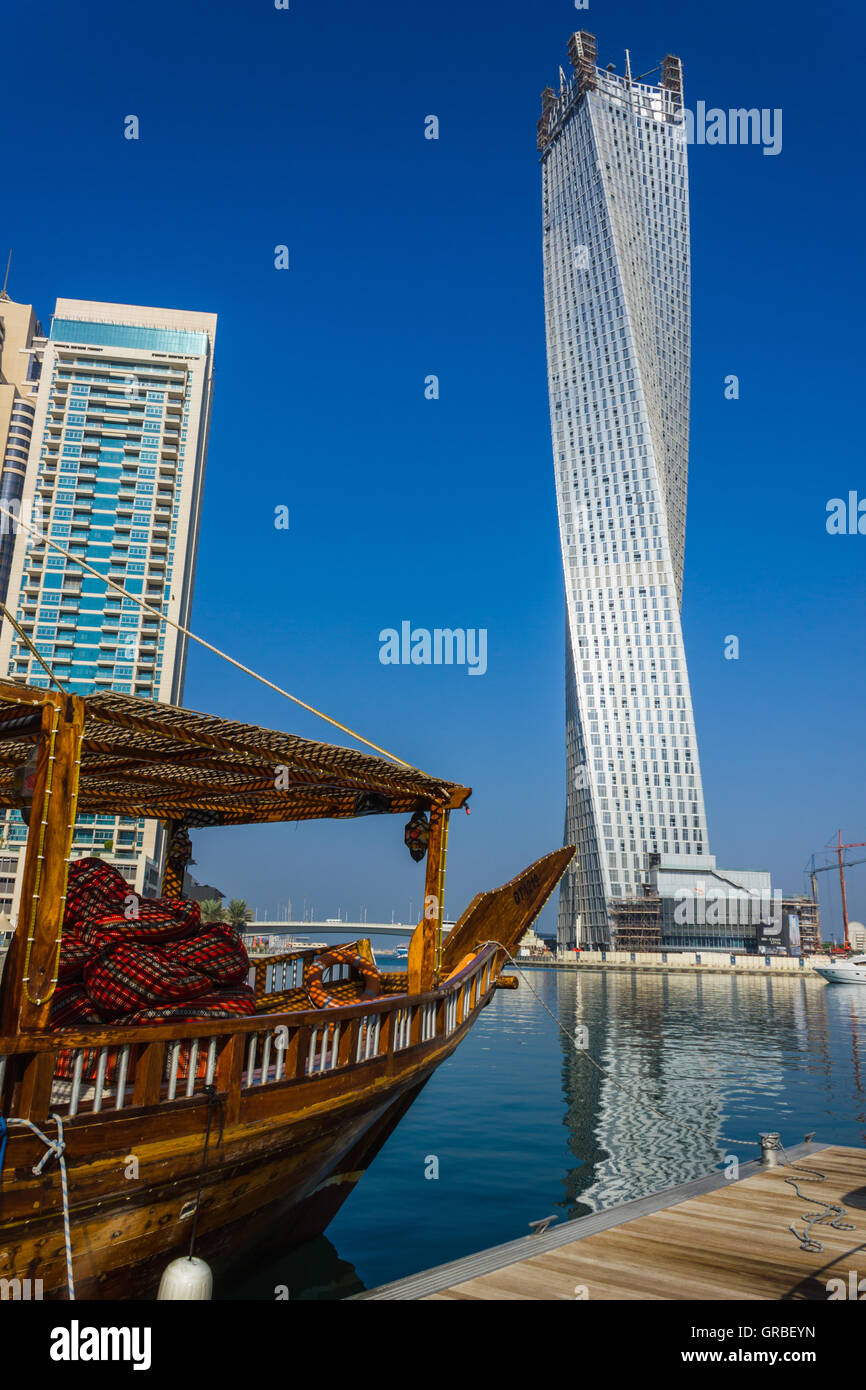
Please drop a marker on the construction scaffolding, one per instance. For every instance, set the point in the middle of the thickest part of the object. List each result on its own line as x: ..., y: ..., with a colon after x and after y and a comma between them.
x: 809, y: 914
x: 636, y: 923
x: 672, y: 79
x: 583, y: 56
x: 548, y: 101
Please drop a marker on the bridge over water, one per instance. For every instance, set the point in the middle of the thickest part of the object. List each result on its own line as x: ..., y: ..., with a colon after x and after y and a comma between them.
x: 318, y: 929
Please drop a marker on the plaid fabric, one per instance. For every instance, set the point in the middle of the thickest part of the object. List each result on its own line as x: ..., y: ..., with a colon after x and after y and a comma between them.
x: 64, y: 1067
x: 217, y: 951
x: 72, y: 1004
x: 74, y: 955
x: 155, y: 966
x: 93, y: 887
x: 223, y: 1003
x: 156, y: 921
x: 126, y: 978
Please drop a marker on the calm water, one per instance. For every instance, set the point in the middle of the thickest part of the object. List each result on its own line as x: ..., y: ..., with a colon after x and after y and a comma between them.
x: 523, y: 1127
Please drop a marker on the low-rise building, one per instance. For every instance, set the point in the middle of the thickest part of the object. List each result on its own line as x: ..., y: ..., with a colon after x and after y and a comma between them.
x: 689, y: 903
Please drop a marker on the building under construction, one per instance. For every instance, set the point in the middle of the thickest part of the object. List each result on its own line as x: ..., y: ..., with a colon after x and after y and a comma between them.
x: 636, y: 923
x: 808, y: 916
x: 693, y: 905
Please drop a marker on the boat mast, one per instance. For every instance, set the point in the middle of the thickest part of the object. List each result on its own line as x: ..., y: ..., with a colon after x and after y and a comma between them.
x: 425, y: 946
x: 844, y: 894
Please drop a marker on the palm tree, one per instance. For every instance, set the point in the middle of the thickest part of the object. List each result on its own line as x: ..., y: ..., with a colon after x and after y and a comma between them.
x: 239, y: 914
x: 212, y: 910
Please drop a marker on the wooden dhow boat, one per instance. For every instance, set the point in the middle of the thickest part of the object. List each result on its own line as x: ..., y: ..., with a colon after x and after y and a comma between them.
x: 244, y: 1127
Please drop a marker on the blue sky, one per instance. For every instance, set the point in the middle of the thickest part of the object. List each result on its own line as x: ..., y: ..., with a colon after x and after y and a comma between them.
x: 408, y: 257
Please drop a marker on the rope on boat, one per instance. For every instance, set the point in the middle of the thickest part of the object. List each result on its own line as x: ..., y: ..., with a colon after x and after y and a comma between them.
x: 163, y: 618
x: 55, y: 1148
x: 213, y: 1102
x: 831, y: 1209
x: 26, y: 640
x: 37, y: 882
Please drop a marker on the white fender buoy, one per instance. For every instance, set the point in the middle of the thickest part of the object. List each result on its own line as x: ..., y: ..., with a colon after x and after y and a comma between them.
x: 186, y: 1278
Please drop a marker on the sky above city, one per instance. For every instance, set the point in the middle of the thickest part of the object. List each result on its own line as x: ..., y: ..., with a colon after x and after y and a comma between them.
x: 409, y: 257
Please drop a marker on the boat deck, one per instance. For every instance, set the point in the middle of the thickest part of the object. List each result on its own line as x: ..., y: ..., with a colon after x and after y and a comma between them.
x: 713, y: 1238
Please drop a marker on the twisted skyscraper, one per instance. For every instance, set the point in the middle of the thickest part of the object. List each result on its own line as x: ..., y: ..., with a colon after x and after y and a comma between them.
x: 616, y: 271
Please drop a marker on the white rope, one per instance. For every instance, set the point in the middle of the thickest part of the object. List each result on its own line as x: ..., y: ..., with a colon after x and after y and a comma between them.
x: 55, y: 1148
x: 155, y: 613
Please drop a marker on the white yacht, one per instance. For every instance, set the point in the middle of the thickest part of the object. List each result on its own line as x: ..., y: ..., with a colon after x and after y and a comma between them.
x: 850, y: 971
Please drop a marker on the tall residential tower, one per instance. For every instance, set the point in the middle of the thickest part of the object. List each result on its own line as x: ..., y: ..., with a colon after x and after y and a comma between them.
x: 616, y: 271
x: 19, y: 381
x: 115, y: 472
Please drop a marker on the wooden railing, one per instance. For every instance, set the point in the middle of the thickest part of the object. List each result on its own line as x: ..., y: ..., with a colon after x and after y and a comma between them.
x: 117, y: 1069
x: 274, y: 973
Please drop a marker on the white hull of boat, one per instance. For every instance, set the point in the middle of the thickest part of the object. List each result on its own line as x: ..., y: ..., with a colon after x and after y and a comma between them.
x: 845, y: 972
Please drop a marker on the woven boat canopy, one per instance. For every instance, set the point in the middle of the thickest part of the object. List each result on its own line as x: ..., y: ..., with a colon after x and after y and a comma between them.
x: 140, y: 758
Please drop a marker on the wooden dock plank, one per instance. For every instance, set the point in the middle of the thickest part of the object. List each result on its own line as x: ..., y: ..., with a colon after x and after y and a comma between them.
x: 730, y: 1244
x: 731, y: 1241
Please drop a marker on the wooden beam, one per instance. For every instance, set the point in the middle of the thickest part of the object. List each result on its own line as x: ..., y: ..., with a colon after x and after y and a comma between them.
x: 33, y: 1101
x: 148, y: 1073
x: 43, y: 888
x: 422, y: 947
x: 23, y: 694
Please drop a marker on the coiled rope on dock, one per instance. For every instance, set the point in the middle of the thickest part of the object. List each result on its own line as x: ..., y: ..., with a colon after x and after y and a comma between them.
x: 54, y: 1148
x: 811, y: 1175
x: 823, y: 1218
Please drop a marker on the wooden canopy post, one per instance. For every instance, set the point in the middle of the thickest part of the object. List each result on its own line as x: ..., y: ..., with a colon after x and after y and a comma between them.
x: 36, y: 946
x: 178, y: 852
x: 423, y: 946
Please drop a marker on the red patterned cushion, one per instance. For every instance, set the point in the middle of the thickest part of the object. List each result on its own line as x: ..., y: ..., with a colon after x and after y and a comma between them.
x: 129, y: 977
x: 93, y: 887
x: 72, y: 1004
x: 74, y: 955
x: 223, y: 1003
x: 151, y: 920
x: 64, y: 1067
x: 217, y: 951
